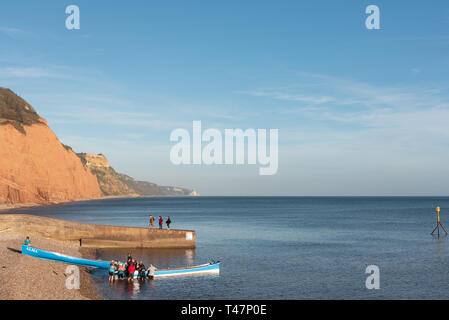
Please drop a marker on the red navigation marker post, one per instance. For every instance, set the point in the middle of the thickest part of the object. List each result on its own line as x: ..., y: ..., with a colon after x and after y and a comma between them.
x: 438, y: 224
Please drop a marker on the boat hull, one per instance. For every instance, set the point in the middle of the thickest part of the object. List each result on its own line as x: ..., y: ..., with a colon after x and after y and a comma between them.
x: 53, y: 256
x: 210, y: 268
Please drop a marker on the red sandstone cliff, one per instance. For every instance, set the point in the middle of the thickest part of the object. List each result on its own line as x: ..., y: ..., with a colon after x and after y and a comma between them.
x: 34, y: 166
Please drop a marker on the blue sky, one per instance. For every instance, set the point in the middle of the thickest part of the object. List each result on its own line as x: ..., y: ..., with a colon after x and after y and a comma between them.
x: 359, y: 112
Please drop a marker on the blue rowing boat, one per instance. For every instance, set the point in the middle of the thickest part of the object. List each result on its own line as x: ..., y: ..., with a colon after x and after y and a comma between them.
x: 53, y: 256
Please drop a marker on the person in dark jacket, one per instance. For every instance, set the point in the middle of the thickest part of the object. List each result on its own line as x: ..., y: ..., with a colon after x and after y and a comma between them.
x: 142, y: 270
x: 168, y: 222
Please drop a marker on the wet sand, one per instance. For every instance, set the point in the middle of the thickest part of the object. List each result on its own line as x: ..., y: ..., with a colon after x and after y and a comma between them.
x: 26, y: 278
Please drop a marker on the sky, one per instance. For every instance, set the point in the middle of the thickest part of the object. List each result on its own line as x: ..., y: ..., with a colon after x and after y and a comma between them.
x: 359, y: 112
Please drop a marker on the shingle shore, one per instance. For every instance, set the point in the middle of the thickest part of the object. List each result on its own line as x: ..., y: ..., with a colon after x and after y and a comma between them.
x: 26, y: 278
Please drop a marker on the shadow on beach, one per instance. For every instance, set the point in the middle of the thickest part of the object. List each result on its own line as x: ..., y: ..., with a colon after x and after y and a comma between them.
x: 14, y: 250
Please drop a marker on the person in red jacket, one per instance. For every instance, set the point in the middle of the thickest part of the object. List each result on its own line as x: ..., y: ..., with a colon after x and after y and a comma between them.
x: 131, y: 269
x: 161, y: 221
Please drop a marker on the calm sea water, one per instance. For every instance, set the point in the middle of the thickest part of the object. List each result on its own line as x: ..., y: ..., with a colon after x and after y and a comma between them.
x: 282, y: 247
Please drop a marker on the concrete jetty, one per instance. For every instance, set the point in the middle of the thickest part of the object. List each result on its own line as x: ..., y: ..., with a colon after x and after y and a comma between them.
x: 96, y: 236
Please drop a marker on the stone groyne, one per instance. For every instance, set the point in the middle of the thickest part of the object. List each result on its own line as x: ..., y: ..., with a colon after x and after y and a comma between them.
x: 96, y: 236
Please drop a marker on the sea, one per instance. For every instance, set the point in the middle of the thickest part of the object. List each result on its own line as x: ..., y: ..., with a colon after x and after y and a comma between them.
x: 281, y: 247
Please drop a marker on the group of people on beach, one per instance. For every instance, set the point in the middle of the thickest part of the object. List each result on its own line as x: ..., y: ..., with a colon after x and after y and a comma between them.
x: 130, y: 269
x: 161, y: 222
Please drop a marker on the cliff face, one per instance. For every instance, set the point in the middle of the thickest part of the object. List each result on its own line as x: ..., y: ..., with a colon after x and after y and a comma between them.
x: 34, y: 166
x: 113, y: 183
x: 94, y: 160
x: 108, y: 180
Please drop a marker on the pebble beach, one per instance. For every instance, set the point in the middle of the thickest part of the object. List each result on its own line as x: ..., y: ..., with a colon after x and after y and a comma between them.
x: 26, y: 278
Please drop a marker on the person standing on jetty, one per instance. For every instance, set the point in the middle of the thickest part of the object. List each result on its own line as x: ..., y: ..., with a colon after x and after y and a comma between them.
x: 161, y: 221
x: 168, y: 222
x: 151, y: 225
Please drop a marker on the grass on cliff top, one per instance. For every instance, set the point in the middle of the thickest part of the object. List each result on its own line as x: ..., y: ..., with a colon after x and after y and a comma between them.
x: 16, y: 111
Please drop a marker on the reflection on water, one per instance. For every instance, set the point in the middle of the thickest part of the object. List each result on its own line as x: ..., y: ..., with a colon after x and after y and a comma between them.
x: 136, y: 288
x: 190, y: 255
x: 126, y: 289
